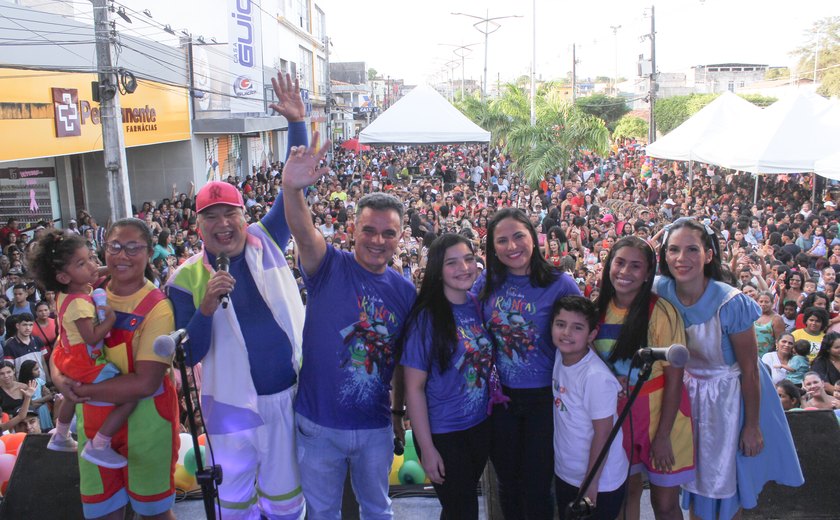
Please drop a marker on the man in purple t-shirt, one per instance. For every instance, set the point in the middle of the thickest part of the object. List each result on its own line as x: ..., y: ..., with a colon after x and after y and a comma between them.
x: 355, y: 310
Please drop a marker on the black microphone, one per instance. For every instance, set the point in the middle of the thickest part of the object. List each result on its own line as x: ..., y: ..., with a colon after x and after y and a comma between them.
x: 165, y: 345
x: 223, y: 264
x: 399, y: 447
x: 677, y: 355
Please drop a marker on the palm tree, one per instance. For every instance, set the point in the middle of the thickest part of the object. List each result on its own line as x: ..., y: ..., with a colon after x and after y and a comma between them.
x: 561, y: 129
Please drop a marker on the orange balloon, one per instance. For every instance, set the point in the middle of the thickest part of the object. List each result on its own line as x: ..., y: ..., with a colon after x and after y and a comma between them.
x: 202, y: 439
x: 13, y: 442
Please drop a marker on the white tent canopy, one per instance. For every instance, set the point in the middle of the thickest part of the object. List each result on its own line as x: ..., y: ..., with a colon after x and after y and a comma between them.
x: 829, y: 167
x: 423, y: 116
x: 726, y: 111
x: 786, y: 137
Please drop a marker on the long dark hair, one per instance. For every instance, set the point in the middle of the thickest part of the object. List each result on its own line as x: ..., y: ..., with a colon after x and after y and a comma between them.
x: 431, y: 305
x: 825, y: 346
x: 634, y: 330
x: 708, y: 238
x: 26, y: 369
x: 541, y: 274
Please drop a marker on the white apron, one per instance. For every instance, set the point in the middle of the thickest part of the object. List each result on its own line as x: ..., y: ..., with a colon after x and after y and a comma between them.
x: 714, y: 389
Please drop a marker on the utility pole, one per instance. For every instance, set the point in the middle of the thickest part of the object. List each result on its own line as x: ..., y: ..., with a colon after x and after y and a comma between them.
x: 328, y: 94
x: 652, y: 127
x: 113, y: 140
x: 574, y: 76
x: 486, y: 26
x: 534, y: 65
x: 615, y: 29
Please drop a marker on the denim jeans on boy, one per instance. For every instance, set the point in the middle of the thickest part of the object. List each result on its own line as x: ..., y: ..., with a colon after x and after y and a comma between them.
x: 323, y: 455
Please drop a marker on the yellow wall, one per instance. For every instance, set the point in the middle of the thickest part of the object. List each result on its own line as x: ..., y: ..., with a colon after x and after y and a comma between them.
x: 28, y: 126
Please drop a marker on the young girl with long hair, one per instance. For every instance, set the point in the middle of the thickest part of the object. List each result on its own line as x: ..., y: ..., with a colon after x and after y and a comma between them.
x: 658, y: 434
x: 447, y: 358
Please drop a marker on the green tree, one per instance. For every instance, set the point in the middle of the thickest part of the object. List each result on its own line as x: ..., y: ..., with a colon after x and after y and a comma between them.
x: 631, y: 126
x: 372, y: 73
x: 777, y: 73
x: 673, y: 111
x: 560, y: 131
x: 824, y: 46
x: 609, y: 109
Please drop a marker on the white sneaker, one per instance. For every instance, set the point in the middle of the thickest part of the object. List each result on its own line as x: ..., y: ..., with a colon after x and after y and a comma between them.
x: 105, y: 457
x: 59, y: 443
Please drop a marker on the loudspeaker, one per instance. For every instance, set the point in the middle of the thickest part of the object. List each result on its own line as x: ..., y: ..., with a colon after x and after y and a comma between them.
x: 44, y: 483
x: 816, y: 435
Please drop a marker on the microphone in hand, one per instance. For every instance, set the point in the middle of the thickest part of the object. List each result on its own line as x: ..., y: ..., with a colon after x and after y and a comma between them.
x: 223, y: 264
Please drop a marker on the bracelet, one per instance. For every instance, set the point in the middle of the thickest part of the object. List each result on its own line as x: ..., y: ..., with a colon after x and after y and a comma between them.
x: 398, y: 413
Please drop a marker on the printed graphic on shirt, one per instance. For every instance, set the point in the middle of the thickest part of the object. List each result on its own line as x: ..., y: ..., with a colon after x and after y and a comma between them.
x: 558, y: 403
x: 515, y: 334
x: 474, y: 365
x: 368, y: 350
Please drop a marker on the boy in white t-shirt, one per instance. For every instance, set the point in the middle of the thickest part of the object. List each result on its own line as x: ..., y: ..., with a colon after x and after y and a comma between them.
x: 585, y: 403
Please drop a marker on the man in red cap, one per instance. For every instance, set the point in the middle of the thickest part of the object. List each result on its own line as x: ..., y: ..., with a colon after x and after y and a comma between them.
x: 242, y: 310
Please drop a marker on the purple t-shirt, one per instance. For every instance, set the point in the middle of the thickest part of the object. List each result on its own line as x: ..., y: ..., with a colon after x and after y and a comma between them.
x: 457, y: 397
x: 518, y: 315
x: 353, y: 318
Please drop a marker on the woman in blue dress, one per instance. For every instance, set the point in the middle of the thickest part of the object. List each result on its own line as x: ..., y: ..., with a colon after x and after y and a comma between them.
x: 742, y: 439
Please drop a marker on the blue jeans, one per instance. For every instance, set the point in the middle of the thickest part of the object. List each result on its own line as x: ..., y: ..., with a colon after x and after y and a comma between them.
x: 323, y: 455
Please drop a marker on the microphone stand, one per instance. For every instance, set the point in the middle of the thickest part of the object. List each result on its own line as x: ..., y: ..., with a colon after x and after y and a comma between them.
x: 582, y: 507
x: 208, y: 477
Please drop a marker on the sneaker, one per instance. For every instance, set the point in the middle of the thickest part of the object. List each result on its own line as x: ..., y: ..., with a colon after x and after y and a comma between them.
x: 59, y: 443
x: 105, y: 457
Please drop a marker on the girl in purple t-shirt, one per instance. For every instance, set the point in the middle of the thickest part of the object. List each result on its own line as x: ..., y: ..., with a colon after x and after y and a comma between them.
x: 447, y: 360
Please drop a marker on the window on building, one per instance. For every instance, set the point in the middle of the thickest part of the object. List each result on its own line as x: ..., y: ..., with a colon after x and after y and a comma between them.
x: 303, y: 14
x: 731, y: 86
x: 321, y: 76
x: 320, y: 25
x: 305, y: 68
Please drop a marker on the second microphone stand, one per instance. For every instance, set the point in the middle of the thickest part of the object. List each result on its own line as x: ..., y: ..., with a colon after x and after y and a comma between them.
x: 208, y: 477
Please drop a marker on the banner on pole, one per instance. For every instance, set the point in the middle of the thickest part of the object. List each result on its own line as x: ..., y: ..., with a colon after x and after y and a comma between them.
x: 245, y: 37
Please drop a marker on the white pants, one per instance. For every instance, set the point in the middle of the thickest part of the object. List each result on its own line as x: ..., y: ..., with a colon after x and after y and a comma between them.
x: 259, y: 466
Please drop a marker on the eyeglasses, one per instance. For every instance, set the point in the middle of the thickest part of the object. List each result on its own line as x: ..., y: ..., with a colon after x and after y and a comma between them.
x: 131, y: 249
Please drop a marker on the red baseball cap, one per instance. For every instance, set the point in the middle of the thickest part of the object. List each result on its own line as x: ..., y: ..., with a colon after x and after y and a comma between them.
x: 218, y: 192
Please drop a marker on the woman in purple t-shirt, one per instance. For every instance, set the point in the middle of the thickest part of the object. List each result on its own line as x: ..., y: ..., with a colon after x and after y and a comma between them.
x: 516, y: 292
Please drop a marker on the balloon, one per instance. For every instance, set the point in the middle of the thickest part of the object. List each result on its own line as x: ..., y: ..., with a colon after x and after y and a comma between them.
x: 412, y: 473
x: 190, y: 464
x: 202, y: 439
x: 13, y: 442
x: 184, y: 480
x: 186, y: 445
x: 7, y: 464
x: 394, y: 477
x: 410, y: 450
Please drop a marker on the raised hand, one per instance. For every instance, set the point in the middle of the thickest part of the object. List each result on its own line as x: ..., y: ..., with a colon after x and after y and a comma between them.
x: 290, y: 104
x: 301, y: 168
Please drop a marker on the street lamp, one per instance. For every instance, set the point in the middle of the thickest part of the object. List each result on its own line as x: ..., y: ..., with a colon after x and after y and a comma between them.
x: 461, y: 51
x: 615, y: 29
x: 486, y: 26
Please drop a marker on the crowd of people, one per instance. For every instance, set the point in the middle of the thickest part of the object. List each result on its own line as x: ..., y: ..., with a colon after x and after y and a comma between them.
x: 434, y: 284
